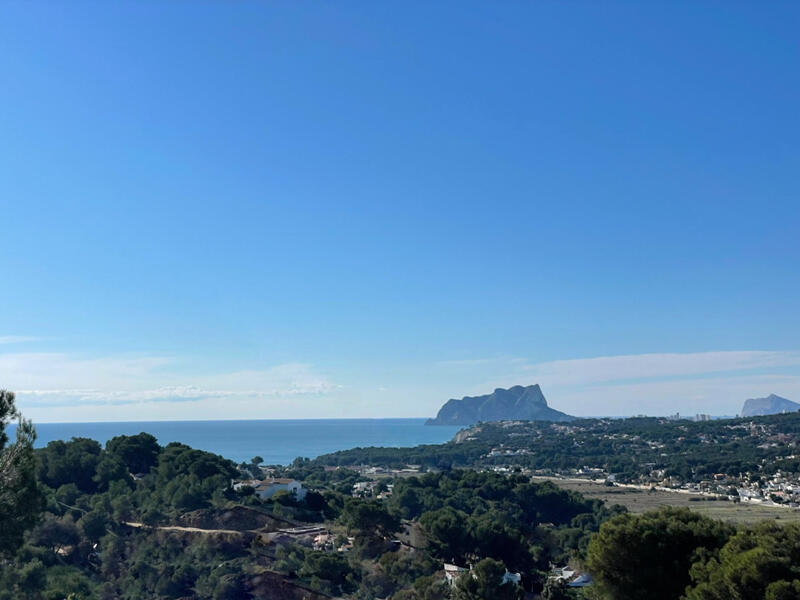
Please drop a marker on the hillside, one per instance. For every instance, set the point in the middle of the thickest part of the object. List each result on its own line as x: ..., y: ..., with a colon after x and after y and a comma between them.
x: 771, y: 405
x: 517, y: 403
x: 640, y: 450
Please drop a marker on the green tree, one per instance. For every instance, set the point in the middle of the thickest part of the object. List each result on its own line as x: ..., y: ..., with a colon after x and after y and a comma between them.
x: 21, y: 501
x: 32, y: 578
x: 648, y: 556
x: 485, y: 582
x: 74, y: 461
x: 429, y: 587
x: 55, y: 533
x: 67, y: 494
x: 229, y: 587
x: 137, y: 452
x: 153, y: 517
x: 760, y: 562
x: 109, y: 469
x: 783, y: 590
x: 122, y: 509
x: 447, y: 533
x: 68, y: 583
x: 407, y: 500
x: 556, y: 589
x: 93, y: 525
x: 329, y: 567
x: 368, y: 518
x: 315, y: 501
x: 491, y: 536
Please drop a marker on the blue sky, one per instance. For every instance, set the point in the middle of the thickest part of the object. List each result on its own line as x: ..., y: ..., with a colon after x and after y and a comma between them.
x: 224, y: 210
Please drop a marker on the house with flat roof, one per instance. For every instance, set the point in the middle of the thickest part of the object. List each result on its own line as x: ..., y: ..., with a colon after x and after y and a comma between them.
x: 269, y: 487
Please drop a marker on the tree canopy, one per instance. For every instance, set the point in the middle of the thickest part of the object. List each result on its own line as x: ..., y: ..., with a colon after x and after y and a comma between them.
x: 139, y: 453
x: 760, y: 562
x: 648, y: 556
x: 485, y: 582
x: 20, y: 498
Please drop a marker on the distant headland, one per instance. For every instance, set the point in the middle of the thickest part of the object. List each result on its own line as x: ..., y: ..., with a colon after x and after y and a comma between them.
x: 771, y: 405
x: 518, y: 403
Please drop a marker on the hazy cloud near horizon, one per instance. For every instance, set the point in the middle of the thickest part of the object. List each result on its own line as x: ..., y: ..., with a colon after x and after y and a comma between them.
x: 17, y: 339
x: 64, y: 387
x: 68, y: 387
x: 654, y: 384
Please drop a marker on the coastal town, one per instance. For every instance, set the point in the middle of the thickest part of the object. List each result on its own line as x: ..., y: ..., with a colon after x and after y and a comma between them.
x: 757, y: 459
x: 754, y: 469
x: 739, y: 460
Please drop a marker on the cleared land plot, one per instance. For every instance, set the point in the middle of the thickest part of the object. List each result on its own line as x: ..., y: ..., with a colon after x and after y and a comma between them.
x: 640, y: 501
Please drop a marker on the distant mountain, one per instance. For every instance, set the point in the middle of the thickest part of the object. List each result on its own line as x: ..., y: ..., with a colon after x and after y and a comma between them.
x: 514, y: 404
x: 771, y: 405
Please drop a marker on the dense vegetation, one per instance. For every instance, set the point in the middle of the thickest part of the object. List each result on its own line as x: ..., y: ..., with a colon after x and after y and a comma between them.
x: 20, y: 501
x: 760, y: 562
x: 649, y: 556
x: 633, y: 449
x: 87, y: 522
x: 465, y: 517
x: 469, y: 515
x: 81, y: 544
x: 86, y: 541
x: 675, y: 554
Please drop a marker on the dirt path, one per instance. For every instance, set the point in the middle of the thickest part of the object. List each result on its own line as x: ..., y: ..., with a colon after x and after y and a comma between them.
x: 191, y: 529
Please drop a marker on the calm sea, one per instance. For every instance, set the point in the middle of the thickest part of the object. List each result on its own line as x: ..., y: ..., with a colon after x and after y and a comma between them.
x: 277, y: 441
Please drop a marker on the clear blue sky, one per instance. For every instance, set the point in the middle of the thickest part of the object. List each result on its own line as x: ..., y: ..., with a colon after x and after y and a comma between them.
x: 361, y: 209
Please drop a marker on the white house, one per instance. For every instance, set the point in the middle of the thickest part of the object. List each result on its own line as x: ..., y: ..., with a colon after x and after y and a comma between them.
x: 573, y: 579
x: 269, y: 487
x: 237, y: 485
x: 452, y: 573
x: 361, y: 488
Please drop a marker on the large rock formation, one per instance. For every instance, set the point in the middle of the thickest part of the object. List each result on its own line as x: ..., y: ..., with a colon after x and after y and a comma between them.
x: 771, y: 405
x: 514, y: 404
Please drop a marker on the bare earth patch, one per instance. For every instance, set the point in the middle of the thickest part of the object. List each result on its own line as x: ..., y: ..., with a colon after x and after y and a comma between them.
x: 638, y: 501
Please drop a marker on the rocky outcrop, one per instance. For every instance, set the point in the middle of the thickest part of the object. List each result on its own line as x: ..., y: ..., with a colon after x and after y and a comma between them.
x: 514, y: 404
x: 771, y: 405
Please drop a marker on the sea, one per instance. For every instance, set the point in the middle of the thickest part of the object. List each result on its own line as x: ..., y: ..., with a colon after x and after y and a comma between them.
x: 278, y: 442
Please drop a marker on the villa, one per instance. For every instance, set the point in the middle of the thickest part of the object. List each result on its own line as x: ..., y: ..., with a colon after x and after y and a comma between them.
x: 269, y: 487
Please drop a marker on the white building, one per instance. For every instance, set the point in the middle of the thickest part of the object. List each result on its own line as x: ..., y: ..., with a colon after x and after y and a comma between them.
x: 269, y: 487
x: 237, y: 485
x: 452, y: 573
x: 362, y: 487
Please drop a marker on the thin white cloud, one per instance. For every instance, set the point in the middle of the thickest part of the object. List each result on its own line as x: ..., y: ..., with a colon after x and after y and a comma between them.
x: 67, y: 387
x: 615, y: 368
x: 716, y: 395
x: 51, y: 385
x: 51, y: 370
x: 630, y: 366
x: 716, y: 382
x: 472, y: 362
x: 18, y: 339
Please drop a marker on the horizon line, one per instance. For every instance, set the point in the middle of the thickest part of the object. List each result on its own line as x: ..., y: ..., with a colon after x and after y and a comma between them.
x: 35, y: 423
